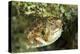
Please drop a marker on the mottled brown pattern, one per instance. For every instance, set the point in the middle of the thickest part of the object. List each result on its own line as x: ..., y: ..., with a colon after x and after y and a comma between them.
x: 38, y: 29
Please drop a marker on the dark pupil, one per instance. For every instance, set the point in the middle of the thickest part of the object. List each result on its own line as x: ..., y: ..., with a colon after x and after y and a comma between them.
x: 43, y: 33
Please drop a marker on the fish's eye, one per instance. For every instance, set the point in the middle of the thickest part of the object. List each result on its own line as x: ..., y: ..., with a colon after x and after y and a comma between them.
x: 42, y: 32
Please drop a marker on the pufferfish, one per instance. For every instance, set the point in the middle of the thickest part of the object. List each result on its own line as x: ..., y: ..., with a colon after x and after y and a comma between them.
x: 43, y: 32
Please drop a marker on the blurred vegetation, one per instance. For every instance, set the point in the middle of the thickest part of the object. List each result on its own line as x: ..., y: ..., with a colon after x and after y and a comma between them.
x: 24, y: 13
